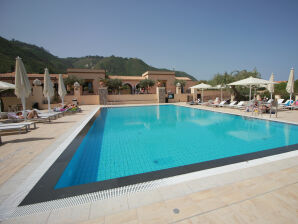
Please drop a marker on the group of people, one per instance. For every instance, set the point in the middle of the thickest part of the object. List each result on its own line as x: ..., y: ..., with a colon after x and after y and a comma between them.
x: 34, y: 114
x: 68, y: 107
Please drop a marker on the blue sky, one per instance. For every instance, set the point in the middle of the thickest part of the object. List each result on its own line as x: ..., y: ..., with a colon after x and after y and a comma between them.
x: 199, y: 37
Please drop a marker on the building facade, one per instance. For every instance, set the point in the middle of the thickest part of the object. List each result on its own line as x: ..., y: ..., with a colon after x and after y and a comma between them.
x: 91, y: 80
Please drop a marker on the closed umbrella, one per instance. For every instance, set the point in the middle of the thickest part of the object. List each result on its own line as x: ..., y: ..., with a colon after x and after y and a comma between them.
x: 4, y: 86
x: 48, y: 90
x: 22, y: 84
x: 220, y: 87
x: 61, y: 89
x: 290, y: 84
x: 202, y: 86
x: 251, y: 81
x: 270, y: 87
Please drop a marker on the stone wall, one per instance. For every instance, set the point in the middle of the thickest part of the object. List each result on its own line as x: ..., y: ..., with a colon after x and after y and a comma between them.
x: 132, y: 99
x: 161, y: 94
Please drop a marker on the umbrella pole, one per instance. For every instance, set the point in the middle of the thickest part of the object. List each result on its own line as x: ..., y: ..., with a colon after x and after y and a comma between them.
x: 202, y: 95
x: 221, y: 94
x: 271, y: 96
x: 24, y: 107
x: 249, y: 92
x: 49, y: 104
x: 62, y: 101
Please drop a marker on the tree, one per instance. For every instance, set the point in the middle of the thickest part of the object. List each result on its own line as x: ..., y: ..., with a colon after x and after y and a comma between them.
x: 182, y: 82
x: 146, y: 84
x: 114, y: 84
x: 70, y: 80
x: 241, y: 92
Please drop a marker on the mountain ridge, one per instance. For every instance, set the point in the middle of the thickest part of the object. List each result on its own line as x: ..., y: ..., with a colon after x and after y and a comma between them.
x: 37, y: 58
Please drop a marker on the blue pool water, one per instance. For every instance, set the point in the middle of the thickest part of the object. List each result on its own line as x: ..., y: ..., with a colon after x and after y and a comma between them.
x: 125, y: 141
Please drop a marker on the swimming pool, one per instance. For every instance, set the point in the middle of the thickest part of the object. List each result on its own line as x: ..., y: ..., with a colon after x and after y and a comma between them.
x: 126, y: 145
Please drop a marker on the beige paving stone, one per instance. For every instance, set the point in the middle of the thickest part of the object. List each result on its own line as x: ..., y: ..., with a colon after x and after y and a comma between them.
x: 274, y: 211
x: 226, y: 216
x: 248, y: 211
x: 69, y: 214
x: 144, y: 198
x: 202, y: 184
x: 287, y: 176
x: 100, y: 220
x: 237, y: 175
x: 270, y: 167
x: 201, y: 195
x: 185, y: 205
x: 210, y: 203
x: 38, y: 218
x: 169, y: 192
x: 285, y: 116
x: 108, y: 206
x: 230, y: 194
x: 154, y: 213
x: 258, y: 185
x: 129, y: 216
x: 187, y: 221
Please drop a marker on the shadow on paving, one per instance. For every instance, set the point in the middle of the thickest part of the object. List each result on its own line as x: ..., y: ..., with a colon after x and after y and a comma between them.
x: 25, y: 140
x: 59, y: 122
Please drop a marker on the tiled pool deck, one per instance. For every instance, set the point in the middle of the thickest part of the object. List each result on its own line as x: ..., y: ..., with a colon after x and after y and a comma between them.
x: 259, y: 193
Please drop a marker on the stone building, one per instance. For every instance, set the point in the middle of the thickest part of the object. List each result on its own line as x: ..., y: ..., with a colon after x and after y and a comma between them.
x: 92, y: 77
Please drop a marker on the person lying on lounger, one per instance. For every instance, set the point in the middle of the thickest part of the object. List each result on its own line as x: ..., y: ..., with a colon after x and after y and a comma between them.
x: 30, y: 115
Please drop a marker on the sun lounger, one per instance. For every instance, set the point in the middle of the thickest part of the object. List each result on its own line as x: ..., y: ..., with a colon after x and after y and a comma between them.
x: 43, y: 117
x: 279, y: 101
x: 219, y: 104
x: 293, y: 106
x: 231, y: 104
x: 52, y: 113
x: 22, y: 123
x: 9, y: 127
x: 192, y: 103
x: 14, y: 127
x: 269, y: 101
x: 285, y: 103
x: 239, y: 105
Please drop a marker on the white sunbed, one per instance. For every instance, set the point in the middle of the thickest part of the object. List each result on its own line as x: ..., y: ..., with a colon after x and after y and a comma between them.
x: 292, y: 107
x: 14, y: 117
x: 28, y: 123
x: 279, y: 101
x: 239, y: 105
x: 18, y: 127
x: 285, y: 103
x: 46, y: 114
x: 219, y: 104
x: 222, y: 103
x: 231, y: 104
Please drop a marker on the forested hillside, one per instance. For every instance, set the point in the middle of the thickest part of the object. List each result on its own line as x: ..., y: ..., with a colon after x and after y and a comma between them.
x: 37, y: 58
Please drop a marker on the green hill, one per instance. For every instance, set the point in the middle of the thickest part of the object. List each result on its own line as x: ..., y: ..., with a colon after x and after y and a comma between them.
x: 37, y: 58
